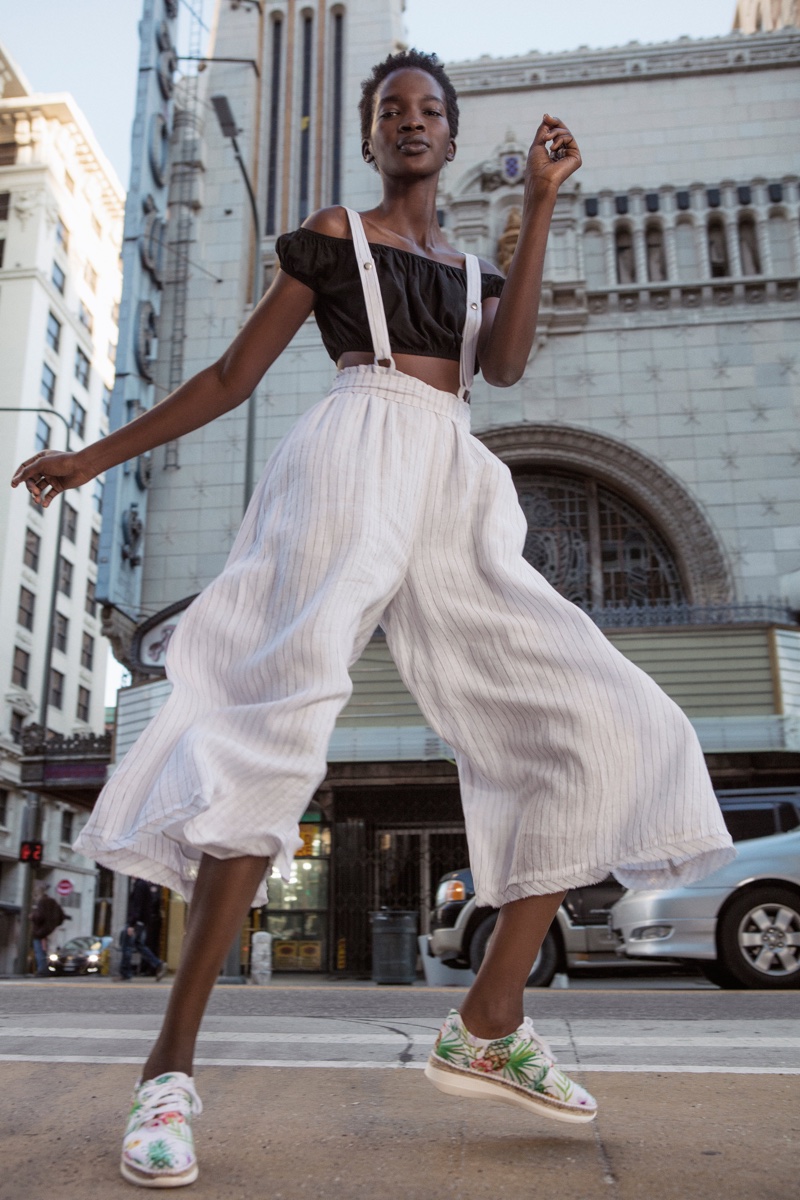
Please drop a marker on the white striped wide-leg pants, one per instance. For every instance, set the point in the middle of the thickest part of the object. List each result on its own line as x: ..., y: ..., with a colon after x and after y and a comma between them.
x: 379, y: 506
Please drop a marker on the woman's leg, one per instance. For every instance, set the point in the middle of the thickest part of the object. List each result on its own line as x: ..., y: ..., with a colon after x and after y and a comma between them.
x: 223, y: 893
x: 493, y: 1007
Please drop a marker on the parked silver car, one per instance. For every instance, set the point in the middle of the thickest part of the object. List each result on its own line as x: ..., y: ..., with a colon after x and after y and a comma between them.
x: 741, y: 925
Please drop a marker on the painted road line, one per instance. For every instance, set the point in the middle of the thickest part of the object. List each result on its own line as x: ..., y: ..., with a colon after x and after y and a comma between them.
x: 339, y: 1065
x: 399, y: 1039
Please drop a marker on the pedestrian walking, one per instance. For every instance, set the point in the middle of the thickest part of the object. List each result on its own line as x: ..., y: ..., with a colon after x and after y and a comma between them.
x: 142, y: 902
x: 379, y: 506
x: 45, y: 917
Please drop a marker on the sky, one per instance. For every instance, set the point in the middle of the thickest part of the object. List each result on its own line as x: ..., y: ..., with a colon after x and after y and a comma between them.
x: 90, y: 47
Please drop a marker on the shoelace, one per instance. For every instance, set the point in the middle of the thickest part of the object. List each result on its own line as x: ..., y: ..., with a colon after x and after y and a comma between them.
x: 539, y: 1041
x: 165, y: 1098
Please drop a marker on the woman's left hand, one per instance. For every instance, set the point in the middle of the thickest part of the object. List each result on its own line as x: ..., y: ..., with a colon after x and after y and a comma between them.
x: 553, y: 166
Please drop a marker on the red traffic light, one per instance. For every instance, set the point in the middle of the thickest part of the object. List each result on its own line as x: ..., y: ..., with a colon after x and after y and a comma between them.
x: 31, y: 852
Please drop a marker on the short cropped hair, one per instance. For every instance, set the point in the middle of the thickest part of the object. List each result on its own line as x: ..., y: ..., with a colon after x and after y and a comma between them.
x: 397, y: 62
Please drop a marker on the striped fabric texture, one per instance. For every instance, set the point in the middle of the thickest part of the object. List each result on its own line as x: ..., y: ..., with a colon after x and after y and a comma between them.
x: 380, y: 507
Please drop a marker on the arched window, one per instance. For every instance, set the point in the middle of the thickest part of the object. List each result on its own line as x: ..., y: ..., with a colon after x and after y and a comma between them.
x: 717, y: 249
x: 656, y: 258
x: 594, y: 259
x: 593, y: 546
x: 780, y: 244
x: 626, y: 259
x: 686, y: 251
x: 748, y: 247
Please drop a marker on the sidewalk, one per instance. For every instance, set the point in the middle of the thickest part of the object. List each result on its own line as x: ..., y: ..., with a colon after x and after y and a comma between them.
x: 288, y: 1134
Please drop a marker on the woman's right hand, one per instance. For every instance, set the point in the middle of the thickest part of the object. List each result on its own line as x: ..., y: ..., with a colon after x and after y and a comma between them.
x: 51, y: 472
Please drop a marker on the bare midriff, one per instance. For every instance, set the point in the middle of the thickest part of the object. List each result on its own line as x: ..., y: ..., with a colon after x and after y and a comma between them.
x: 440, y: 373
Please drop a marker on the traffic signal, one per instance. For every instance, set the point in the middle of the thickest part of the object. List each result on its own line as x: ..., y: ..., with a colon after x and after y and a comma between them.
x: 31, y: 852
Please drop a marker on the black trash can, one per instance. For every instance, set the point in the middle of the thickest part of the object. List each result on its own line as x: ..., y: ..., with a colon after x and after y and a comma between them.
x: 394, y: 946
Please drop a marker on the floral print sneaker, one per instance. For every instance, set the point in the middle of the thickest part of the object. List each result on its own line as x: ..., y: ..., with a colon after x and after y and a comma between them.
x: 158, y: 1147
x: 516, y: 1069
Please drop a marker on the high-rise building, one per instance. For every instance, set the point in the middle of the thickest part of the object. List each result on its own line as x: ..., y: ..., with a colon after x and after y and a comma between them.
x: 60, y: 233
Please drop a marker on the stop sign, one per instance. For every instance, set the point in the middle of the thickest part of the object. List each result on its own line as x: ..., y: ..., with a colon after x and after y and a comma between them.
x: 64, y: 887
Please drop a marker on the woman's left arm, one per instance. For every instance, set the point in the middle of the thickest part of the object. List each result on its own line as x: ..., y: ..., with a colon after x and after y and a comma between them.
x: 509, y: 326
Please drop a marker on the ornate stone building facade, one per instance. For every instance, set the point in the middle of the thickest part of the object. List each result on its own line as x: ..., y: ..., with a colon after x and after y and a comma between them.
x: 653, y: 437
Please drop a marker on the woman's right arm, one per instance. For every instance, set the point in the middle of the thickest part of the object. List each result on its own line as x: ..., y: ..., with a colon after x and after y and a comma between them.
x: 215, y: 390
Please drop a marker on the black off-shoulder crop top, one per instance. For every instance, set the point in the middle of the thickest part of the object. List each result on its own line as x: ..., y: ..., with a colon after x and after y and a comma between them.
x: 425, y: 301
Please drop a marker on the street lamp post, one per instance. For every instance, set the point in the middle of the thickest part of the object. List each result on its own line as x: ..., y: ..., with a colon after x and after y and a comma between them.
x: 232, y: 968
x: 230, y: 130
x: 35, y: 810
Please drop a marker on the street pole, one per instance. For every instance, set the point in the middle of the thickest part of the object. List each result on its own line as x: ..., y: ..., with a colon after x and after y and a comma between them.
x: 233, y: 961
x: 34, y: 807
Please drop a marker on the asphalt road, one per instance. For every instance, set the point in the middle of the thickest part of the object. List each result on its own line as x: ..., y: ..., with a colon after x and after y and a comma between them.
x: 317, y: 1089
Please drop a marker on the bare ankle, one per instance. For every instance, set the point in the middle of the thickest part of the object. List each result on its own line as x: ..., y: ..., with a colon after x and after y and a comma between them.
x: 164, y: 1062
x: 492, y: 1023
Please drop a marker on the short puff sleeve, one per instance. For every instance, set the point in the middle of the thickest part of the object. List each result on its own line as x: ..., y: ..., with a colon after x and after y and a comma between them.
x: 491, y: 285
x: 308, y: 257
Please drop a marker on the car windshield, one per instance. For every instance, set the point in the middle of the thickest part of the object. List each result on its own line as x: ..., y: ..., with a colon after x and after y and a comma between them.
x: 80, y: 944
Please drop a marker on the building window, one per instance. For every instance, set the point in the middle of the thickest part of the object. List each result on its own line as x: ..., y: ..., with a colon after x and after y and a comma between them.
x: 305, y: 115
x: 2, y: 251
x: 594, y: 547
x: 112, y: 352
x: 594, y: 259
x: 56, y: 695
x: 85, y: 317
x: 275, y: 97
x: 5, y: 204
x: 87, y: 651
x: 30, y: 555
x: 70, y: 521
x: 96, y: 226
x: 4, y: 796
x: 115, y: 312
x: 686, y: 251
x: 27, y: 603
x: 97, y: 495
x: 67, y: 823
x: 53, y: 335
x: 77, y: 418
x: 82, y: 367
x: 106, y: 401
x: 84, y: 703
x: 656, y: 256
x: 337, y: 107
x: 43, y: 431
x: 748, y: 247
x: 717, y: 242
x: 91, y: 604
x: 65, y: 572
x: 90, y: 276
x: 94, y: 545
x: 17, y: 725
x: 21, y: 668
x: 69, y: 183
x: 48, y: 384
x: 780, y: 244
x: 62, y: 235
x: 8, y: 154
x: 58, y: 278
x: 60, y: 632
x: 626, y: 260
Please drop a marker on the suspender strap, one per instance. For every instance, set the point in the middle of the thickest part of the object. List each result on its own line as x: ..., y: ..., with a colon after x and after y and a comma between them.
x: 372, y: 292
x: 472, y: 326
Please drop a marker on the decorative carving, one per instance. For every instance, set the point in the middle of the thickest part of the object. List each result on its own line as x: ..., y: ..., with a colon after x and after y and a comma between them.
x: 21, y: 702
x: 132, y: 531
x: 37, y: 741
x: 507, y: 242
x: 652, y: 490
x: 119, y: 629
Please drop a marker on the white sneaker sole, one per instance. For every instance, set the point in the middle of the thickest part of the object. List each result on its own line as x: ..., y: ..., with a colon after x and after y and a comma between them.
x: 471, y: 1087
x: 142, y: 1179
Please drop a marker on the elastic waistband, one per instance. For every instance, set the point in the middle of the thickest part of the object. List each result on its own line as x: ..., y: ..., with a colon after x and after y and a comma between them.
x: 394, y: 385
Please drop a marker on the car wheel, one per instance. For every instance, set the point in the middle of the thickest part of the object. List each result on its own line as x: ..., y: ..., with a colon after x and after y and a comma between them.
x: 544, y: 968
x: 716, y: 973
x: 759, y: 938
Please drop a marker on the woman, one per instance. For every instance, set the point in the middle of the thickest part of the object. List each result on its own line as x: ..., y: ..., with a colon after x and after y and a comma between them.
x: 379, y: 506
